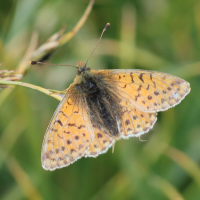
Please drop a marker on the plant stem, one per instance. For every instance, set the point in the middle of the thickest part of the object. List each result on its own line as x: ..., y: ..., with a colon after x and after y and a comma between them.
x: 34, y: 87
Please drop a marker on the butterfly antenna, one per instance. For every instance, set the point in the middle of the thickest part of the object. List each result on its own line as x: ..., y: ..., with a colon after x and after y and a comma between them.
x: 42, y: 63
x: 105, y: 28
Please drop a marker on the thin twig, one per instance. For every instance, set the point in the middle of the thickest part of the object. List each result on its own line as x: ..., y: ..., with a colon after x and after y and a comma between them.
x: 65, y: 38
x: 34, y: 87
x: 24, y: 66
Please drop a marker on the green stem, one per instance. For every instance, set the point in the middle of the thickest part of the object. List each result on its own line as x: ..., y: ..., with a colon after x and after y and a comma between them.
x: 34, y: 87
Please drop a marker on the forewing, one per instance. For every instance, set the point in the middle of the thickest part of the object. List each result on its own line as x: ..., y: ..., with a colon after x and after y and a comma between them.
x: 69, y: 134
x: 149, y: 91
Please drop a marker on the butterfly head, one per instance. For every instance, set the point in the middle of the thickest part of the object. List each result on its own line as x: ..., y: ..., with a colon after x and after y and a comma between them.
x: 82, y: 68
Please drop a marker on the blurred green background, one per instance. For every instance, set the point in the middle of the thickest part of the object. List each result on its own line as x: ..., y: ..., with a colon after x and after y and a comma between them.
x: 160, y: 35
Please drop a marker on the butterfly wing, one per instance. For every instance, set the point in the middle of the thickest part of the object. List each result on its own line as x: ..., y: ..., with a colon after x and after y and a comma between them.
x: 149, y: 91
x: 134, y: 122
x: 142, y: 94
x: 101, y: 143
x: 68, y: 135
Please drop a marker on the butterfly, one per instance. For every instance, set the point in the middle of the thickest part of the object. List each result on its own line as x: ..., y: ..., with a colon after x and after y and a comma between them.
x: 103, y: 106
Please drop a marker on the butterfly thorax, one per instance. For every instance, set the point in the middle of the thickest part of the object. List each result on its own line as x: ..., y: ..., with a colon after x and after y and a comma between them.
x: 102, y: 103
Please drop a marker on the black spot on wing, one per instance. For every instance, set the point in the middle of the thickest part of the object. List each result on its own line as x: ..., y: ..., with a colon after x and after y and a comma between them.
x: 58, y: 121
x: 70, y: 124
x: 68, y: 103
x: 81, y: 126
x: 139, y: 88
x: 76, y: 137
x: 132, y: 77
x: 67, y: 132
x: 135, y: 117
x: 169, y: 88
x: 54, y: 130
x: 99, y: 135
x: 68, y: 141
x: 72, y: 151
x: 151, y: 77
x: 164, y: 92
x: 140, y: 77
x: 136, y: 97
x: 156, y: 93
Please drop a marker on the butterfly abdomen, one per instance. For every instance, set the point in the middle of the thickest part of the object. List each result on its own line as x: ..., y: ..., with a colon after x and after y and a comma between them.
x: 101, y: 112
x: 102, y: 104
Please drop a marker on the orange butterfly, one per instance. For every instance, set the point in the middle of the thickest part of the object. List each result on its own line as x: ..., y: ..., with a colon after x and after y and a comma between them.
x: 103, y: 106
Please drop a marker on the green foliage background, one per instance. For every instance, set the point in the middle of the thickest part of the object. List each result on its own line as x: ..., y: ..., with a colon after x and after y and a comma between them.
x: 161, y: 35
